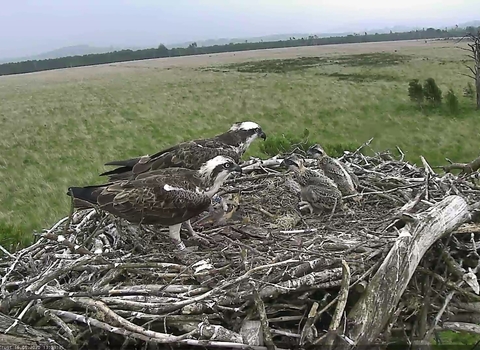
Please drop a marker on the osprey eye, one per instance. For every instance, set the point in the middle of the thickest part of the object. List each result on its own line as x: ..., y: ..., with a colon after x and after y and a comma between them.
x: 227, y: 165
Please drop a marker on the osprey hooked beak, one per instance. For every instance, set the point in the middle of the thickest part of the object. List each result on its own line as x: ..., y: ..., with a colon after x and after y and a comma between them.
x: 262, y: 134
x: 235, y: 168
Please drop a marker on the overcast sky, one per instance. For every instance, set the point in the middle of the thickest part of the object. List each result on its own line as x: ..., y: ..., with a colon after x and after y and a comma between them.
x: 34, y: 26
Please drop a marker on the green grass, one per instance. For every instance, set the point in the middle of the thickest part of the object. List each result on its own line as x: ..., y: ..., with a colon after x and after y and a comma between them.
x: 58, y: 128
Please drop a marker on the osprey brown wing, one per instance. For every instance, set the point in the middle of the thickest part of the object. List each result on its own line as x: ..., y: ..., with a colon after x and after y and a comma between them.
x: 353, y: 176
x: 178, y: 177
x: 192, y: 155
x: 152, y: 201
x: 189, y: 155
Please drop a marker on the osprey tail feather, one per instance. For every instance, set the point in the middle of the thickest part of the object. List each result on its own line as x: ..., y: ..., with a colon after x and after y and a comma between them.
x: 84, y: 196
x: 120, y: 170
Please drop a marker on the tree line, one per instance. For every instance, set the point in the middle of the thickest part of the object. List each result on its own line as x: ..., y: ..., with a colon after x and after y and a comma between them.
x: 162, y: 51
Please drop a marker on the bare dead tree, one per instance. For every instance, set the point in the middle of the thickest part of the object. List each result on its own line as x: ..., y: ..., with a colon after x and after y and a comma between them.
x: 474, y: 49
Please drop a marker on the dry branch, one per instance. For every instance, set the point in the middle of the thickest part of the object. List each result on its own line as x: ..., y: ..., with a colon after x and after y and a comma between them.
x: 466, y: 168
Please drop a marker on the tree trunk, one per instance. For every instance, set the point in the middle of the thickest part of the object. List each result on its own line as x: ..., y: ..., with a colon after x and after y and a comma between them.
x: 477, y: 83
x: 371, y: 313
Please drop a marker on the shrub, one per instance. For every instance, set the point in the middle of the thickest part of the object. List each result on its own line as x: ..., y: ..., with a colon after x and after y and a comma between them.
x: 469, y: 91
x: 432, y: 92
x: 336, y: 150
x: 415, y: 91
x: 451, y: 101
x: 284, y: 143
x: 287, y: 143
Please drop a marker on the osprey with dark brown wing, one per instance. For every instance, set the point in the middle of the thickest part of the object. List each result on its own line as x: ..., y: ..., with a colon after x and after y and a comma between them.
x: 191, y: 154
x: 166, y: 197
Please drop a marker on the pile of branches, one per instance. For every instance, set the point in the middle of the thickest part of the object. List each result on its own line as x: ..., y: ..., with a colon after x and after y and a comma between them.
x: 399, y: 266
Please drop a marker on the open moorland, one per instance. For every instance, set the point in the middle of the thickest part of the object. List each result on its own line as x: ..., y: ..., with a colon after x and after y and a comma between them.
x: 58, y: 128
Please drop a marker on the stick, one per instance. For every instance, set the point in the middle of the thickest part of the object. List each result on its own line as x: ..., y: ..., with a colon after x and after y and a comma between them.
x: 267, y: 336
x: 308, y: 333
x: 342, y: 297
x: 428, y: 168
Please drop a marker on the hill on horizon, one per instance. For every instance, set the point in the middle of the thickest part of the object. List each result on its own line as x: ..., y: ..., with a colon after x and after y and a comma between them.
x: 75, y: 50
x: 85, y: 49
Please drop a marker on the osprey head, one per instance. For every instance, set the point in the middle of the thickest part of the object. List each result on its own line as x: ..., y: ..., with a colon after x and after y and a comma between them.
x: 316, y: 151
x: 292, y: 162
x: 219, y: 167
x: 250, y: 129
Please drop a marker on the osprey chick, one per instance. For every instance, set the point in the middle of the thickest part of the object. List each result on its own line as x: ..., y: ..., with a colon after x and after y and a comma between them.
x: 317, y: 190
x: 191, y: 154
x: 346, y: 181
x: 165, y: 197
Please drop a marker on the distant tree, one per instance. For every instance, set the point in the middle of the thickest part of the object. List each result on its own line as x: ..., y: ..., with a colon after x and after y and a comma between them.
x: 432, y: 92
x: 452, y: 101
x: 468, y: 91
x: 162, y: 51
x: 471, y: 30
x: 415, y: 91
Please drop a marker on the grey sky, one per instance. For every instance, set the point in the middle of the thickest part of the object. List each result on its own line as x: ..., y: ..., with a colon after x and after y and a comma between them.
x: 30, y: 27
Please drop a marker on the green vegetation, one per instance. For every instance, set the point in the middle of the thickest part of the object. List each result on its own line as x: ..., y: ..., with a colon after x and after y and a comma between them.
x: 377, y: 60
x: 432, y: 92
x: 194, y: 49
x: 415, y: 91
x: 452, y: 101
x: 429, y: 97
x: 58, y: 128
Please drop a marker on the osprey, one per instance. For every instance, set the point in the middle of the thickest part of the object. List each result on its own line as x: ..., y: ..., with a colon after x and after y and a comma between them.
x: 317, y: 190
x: 191, y: 154
x: 346, y: 181
x: 166, y: 197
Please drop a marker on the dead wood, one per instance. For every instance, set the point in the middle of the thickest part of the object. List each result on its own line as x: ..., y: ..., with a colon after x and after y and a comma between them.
x: 466, y: 168
x: 269, y: 277
x: 371, y: 313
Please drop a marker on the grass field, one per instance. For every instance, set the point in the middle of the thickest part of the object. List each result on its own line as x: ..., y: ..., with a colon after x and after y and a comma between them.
x: 57, y: 128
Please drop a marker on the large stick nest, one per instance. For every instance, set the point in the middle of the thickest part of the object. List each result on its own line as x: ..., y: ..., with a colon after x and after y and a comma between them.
x: 264, y: 274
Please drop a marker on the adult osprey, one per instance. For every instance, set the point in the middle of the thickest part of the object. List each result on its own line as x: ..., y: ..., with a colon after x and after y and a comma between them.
x: 346, y: 181
x: 166, y: 197
x: 191, y: 154
x: 317, y: 190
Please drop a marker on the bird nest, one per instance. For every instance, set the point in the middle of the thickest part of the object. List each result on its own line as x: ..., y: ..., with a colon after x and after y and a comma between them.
x: 264, y: 274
